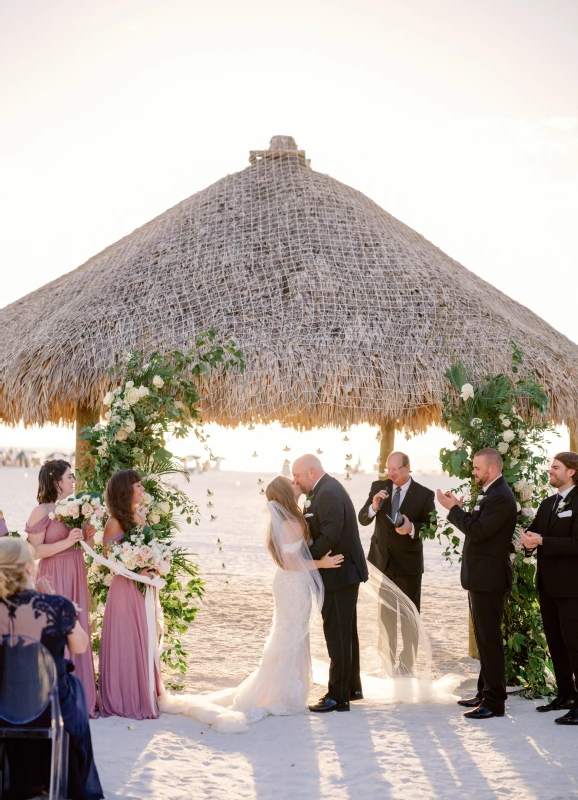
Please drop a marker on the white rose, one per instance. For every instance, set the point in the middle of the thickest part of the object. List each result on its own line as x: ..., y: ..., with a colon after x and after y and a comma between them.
x: 503, y: 447
x: 118, y: 390
x: 51, y: 515
x: 506, y: 422
x: 129, y: 425
x: 165, y: 507
x: 516, y: 451
x: 95, y: 501
x: 476, y: 422
x: 143, y: 391
x: 121, y: 436
x: 107, y: 416
x: 86, y: 510
x: 467, y: 391
x: 115, y: 419
x: 107, y: 399
x: 508, y: 436
x: 146, y: 498
x: 158, y: 382
x: 129, y: 384
x: 154, y: 518
x: 74, y: 511
x: 528, y: 512
x: 132, y: 396
x: 107, y: 579
x: 513, y: 462
x: 306, y: 504
x: 458, y: 444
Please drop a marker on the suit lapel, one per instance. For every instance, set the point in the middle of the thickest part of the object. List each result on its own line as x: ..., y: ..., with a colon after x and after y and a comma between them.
x: 408, y: 495
x: 553, y: 517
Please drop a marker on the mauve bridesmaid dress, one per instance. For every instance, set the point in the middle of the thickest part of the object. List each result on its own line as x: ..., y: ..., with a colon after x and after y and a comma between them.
x: 124, y: 669
x: 67, y: 574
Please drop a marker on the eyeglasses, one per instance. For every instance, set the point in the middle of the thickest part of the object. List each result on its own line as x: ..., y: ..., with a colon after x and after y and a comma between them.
x: 395, y: 469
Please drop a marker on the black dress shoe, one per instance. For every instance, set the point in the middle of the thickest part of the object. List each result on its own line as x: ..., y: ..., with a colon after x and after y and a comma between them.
x: 329, y: 704
x: 473, y: 702
x: 571, y: 718
x: 356, y: 695
x: 481, y: 712
x: 557, y: 704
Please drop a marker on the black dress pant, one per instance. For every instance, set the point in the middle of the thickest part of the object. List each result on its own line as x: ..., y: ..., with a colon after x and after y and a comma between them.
x: 410, y: 585
x: 339, y: 614
x: 560, y: 617
x: 487, y: 612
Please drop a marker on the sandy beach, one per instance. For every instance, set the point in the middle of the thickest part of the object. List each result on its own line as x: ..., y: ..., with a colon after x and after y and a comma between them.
x: 378, y: 750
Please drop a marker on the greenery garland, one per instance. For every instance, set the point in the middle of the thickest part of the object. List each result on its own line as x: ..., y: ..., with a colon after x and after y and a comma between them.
x: 156, y: 396
x: 507, y: 412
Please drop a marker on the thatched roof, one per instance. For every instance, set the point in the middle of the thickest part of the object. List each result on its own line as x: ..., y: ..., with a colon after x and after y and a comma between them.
x: 345, y: 314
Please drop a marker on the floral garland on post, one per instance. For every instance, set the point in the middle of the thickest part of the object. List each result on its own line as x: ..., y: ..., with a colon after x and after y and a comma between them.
x: 156, y: 396
x: 487, y: 415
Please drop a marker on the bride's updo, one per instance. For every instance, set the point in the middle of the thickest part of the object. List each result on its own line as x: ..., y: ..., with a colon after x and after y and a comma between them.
x: 15, y: 555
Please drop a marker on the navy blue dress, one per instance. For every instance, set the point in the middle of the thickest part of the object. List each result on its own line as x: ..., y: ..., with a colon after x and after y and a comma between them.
x: 50, y: 618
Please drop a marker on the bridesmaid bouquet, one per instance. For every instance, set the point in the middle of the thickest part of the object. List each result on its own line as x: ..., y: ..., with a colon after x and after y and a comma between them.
x: 140, y: 549
x: 85, y: 509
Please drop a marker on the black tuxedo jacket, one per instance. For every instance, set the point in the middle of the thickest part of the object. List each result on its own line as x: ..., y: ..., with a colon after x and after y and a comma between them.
x: 333, y: 526
x: 488, y: 528
x: 558, y: 554
x: 391, y: 552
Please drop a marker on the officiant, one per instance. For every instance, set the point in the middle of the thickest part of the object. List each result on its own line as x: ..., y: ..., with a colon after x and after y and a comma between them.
x: 397, y: 551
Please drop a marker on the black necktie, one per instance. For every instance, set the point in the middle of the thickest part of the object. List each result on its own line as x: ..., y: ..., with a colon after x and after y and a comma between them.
x: 557, y: 501
x: 396, y: 502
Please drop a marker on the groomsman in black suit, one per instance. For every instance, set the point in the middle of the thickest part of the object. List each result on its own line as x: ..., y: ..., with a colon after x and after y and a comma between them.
x: 487, y: 574
x: 333, y: 526
x: 554, y: 532
x: 398, y: 552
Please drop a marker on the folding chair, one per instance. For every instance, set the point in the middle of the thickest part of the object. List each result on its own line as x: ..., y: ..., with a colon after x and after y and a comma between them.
x: 29, y: 707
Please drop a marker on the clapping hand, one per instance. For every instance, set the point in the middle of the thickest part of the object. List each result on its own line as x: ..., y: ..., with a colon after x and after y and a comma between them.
x: 448, y: 500
x: 530, y: 540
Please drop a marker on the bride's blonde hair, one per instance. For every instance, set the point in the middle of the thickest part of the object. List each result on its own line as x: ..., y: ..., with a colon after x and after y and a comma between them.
x: 15, y: 555
x: 281, y: 492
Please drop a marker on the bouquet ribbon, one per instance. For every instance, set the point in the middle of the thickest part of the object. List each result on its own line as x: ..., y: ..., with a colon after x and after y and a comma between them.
x: 153, y: 610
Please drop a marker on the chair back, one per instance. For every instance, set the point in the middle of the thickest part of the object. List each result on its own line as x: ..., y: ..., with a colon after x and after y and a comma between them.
x: 28, y: 679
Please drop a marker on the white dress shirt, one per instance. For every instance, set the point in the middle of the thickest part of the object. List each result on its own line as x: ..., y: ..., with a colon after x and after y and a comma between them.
x: 371, y: 513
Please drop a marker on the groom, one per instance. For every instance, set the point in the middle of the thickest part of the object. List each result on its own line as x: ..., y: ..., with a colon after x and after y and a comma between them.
x: 333, y: 526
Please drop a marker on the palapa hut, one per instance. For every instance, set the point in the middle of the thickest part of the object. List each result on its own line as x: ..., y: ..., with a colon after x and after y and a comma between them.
x: 345, y: 314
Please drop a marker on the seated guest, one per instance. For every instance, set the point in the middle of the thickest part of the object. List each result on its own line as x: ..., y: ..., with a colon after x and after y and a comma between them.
x: 52, y: 620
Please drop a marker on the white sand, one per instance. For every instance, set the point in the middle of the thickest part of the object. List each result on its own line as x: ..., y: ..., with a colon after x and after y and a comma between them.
x: 377, y: 750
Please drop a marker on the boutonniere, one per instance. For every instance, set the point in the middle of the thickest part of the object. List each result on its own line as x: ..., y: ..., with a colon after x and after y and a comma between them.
x: 307, y: 503
x: 561, y: 506
x: 479, y: 498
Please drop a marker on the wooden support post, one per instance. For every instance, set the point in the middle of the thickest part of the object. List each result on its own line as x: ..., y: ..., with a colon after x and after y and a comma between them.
x: 84, y: 416
x: 386, y: 443
x: 573, y: 430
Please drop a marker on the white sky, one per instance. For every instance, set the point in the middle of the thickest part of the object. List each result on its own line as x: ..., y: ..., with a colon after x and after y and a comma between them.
x: 460, y: 117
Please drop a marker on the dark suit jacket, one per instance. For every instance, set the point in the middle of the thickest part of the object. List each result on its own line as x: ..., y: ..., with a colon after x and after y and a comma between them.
x: 558, y: 554
x: 486, y: 565
x: 333, y: 527
x: 391, y: 552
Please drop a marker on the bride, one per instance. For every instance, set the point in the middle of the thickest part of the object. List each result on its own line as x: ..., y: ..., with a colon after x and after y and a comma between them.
x: 281, y: 683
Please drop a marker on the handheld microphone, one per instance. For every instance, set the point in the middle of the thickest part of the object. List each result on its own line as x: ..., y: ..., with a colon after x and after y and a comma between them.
x: 382, y: 501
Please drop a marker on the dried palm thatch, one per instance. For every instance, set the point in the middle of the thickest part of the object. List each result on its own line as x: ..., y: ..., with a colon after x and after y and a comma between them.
x: 345, y: 314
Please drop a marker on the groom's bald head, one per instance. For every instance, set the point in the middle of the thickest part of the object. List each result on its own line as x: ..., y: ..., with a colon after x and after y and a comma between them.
x: 306, y: 472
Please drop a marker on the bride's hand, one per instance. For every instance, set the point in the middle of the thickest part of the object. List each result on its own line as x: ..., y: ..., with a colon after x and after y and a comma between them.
x: 329, y: 562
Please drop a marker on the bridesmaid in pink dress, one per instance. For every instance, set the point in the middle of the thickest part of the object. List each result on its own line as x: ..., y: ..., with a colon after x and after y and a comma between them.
x: 60, y: 563
x: 124, y: 667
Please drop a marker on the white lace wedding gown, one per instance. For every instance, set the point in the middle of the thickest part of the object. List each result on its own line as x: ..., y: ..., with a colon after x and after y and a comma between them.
x: 280, y: 685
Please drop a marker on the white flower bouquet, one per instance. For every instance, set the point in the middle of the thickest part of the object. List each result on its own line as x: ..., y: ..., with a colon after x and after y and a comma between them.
x: 141, y: 550
x: 85, y: 509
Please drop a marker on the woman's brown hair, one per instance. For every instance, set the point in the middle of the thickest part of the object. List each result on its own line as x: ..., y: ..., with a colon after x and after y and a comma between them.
x: 281, y: 492
x: 118, y: 497
x: 570, y: 461
x: 50, y: 473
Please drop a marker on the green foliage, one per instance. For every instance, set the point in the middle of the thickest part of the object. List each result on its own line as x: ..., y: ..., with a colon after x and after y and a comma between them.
x: 153, y: 397
x: 506, y: 412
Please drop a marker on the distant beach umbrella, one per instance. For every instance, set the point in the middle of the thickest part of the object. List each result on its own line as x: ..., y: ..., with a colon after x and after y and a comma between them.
x: 346, y: 315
